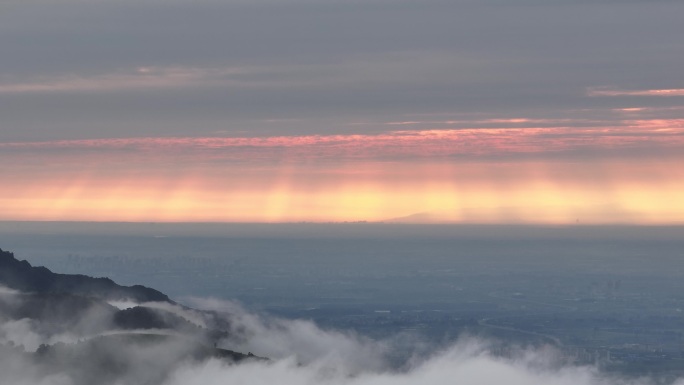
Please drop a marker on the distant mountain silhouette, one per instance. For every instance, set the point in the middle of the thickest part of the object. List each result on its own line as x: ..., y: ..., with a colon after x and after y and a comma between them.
x: 20, y: 275
x: 419, y: 218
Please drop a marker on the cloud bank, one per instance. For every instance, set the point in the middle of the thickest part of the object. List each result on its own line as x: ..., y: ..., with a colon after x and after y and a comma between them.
x: 299, y: 353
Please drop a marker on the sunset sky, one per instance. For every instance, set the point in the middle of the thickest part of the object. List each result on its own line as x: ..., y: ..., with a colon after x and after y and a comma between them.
x: 431, y: 111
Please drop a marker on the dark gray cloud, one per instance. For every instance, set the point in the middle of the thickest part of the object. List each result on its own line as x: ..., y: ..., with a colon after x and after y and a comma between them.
x: 76, y: 69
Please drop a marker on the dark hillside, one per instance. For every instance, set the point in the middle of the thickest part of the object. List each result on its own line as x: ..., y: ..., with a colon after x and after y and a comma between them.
x: 20, y: 275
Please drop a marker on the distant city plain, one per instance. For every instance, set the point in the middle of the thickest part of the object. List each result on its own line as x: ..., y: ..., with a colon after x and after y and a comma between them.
x: 588, y: 287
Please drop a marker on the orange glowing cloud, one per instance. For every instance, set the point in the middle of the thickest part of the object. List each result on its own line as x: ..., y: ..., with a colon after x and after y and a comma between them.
x: 477, y: 192
x: 494, y: 175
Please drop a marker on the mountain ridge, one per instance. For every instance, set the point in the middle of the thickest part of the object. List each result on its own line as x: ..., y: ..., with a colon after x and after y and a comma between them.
x: 66, y: 323
x: 22, y: 276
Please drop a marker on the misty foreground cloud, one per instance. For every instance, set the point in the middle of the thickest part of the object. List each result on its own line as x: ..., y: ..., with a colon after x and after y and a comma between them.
x: 299, y: 352
x: 66, y: 337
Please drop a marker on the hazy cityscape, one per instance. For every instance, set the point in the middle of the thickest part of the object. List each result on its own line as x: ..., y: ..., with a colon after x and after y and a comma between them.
x: 604, y: 296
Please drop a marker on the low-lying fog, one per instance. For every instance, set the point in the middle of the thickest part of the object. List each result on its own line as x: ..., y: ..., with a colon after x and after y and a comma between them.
x: 299, y: 352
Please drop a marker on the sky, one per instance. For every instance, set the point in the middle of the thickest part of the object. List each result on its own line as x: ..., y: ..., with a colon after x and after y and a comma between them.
x: 460, y: 111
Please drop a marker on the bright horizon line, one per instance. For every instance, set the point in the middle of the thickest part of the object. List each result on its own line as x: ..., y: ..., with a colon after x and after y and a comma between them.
x: 364, y: 222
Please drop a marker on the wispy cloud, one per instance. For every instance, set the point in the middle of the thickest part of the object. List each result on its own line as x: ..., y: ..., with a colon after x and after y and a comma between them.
x: 500, y: 122
x: 648, y: 134
x: 382, y: 69
x: 605, y: 91
x: 155, y: 77
x: 139, y: 78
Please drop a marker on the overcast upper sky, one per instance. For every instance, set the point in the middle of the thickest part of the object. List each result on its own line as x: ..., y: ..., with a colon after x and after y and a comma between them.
x: 74, y: 69
x: 573, y: 77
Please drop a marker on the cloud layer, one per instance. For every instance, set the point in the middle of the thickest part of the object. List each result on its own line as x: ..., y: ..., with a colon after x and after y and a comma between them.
x: 75, y: 69
x: 299, y: 352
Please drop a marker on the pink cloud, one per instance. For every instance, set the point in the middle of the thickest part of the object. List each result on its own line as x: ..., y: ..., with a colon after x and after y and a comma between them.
x: 601, y: 91
x: 652, y: 135
x: 354, y: 177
